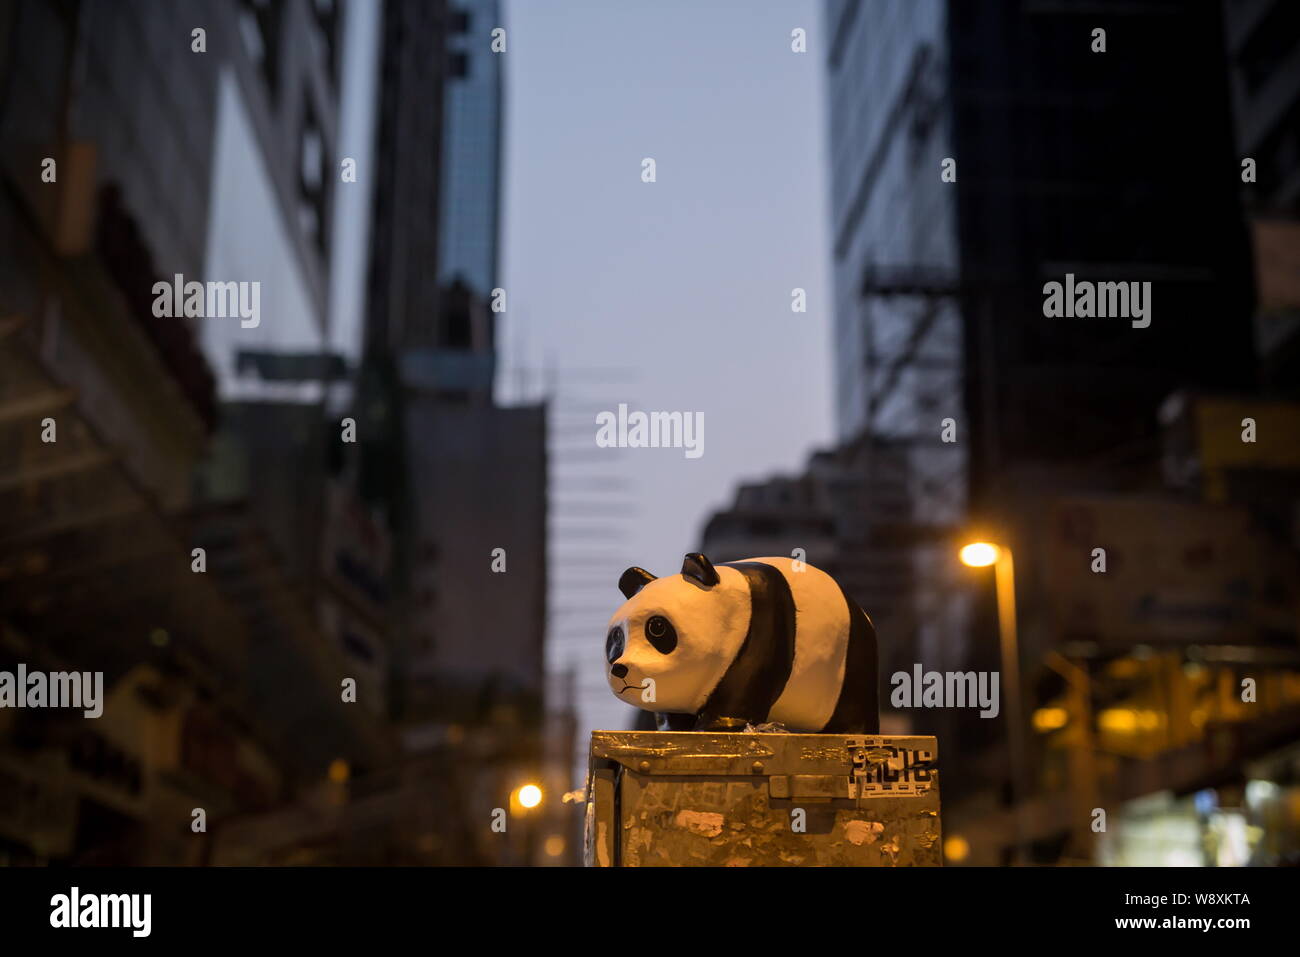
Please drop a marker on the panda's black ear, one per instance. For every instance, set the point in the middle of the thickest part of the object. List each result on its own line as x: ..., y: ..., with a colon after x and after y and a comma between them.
x: 633, y: 580
x: 700, y: 570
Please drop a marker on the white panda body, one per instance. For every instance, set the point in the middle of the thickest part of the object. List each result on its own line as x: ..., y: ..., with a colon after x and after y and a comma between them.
x: 822, y: 622
x: 756, y: 640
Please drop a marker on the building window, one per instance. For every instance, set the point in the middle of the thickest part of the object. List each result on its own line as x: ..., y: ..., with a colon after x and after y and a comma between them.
x: 327, y: 19
x: 259, y: 28
x: 457, y: 329
x: 311, y: 181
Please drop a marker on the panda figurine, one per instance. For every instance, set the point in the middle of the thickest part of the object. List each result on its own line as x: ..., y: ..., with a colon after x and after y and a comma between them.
x: 761, y: 640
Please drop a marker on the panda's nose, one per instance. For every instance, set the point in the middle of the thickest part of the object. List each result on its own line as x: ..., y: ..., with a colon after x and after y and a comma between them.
x: 618, y: 671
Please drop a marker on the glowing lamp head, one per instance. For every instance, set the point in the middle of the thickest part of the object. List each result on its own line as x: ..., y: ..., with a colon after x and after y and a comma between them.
x: 530, y: 795
x: 979, y: 554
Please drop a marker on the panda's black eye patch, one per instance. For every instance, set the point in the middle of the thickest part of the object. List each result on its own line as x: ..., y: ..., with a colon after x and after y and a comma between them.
x: 614, y: 644
x: 661, y: 634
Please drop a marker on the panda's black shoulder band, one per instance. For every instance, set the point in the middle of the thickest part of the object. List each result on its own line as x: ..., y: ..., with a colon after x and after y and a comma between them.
x: 761, y: 668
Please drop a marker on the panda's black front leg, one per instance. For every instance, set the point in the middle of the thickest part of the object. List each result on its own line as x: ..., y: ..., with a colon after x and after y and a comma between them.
x: 668, y: 721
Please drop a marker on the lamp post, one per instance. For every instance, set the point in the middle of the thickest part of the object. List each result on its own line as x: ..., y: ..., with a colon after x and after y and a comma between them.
x: 525, y: 801
x: 981, y: 555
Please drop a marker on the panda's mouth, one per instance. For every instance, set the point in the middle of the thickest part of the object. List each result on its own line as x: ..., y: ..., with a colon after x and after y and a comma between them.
x: 626, y: 686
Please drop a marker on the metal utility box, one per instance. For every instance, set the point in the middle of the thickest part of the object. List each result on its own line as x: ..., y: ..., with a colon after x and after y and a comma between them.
x: 666, y: 798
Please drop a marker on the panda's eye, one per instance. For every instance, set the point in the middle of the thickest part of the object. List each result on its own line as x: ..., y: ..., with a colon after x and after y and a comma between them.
x: 660, y: 633
x: 614, y: 644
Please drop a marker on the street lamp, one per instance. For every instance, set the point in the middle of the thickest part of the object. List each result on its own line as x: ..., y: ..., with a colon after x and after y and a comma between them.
x: 981, y: 555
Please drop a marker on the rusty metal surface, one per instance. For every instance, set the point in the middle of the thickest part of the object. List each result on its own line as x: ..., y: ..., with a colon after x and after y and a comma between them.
x: 662, y: 798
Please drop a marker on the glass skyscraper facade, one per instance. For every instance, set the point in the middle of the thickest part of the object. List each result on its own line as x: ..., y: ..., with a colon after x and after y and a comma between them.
x: 898, y: 337
x: 471, y: 145
x: 898, y: 324
x: 893, y: 230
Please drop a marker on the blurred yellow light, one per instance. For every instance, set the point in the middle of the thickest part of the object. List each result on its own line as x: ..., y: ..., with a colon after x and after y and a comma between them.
x: 554, y: 845
x: 956, y: 849
x: 1125, y: 667
x: 530, y: 795
x: 1118, y: 720
x: 1050, y: 719
x: 979, y: 554
x: 339, y: 771
x: 1129, y: 720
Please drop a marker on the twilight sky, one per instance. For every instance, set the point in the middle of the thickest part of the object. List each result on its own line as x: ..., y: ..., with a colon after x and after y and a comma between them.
x: 673, y: 295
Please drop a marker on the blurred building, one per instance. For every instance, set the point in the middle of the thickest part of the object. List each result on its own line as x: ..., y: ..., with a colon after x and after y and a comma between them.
x: 979, y: 152
x: 899, y: 331
x: 276, y: 533
x: 155, y: 530
x: 1070, y: 407
x: 464, y: 478
x: 275, y: 173
x: 1223, y: 611
x: 1263, y: 43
